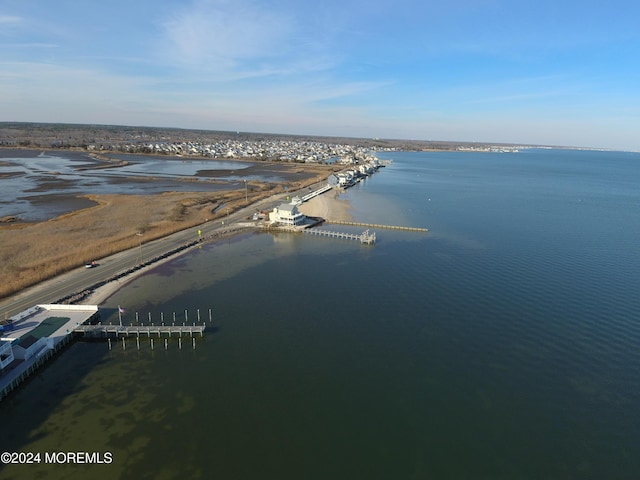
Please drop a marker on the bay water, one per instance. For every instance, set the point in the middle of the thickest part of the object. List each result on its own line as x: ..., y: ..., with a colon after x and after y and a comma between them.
x: 502, y: 344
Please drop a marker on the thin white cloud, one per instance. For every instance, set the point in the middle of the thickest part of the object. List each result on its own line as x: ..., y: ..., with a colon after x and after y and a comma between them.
x: 242, y: 39
x: 10, y: 20
x: 227, y: 31
x: 37, y: 85
x: 28, y: 45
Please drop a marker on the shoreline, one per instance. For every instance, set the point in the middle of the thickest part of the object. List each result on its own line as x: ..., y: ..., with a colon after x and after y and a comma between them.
x: 101, y: 294
x: 327, y: 205
x: 157, y: 214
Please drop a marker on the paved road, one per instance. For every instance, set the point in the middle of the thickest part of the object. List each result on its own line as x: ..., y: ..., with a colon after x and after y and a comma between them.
x: 81, y: 278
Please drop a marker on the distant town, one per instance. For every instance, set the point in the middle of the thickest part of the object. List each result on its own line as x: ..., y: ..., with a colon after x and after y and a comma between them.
x: 214, y: 144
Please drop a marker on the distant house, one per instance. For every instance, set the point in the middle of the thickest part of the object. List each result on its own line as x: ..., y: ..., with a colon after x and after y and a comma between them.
x: 341, y: 179
x: 367, y: 168
x: 287, y: 214
x: 333, y: 180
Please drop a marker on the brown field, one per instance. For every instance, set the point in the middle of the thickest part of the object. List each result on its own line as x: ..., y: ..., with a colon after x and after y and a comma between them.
x: 31, y: 253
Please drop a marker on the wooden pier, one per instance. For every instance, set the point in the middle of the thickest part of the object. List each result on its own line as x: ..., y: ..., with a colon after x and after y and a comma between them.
x: 374, y: 225
x: 364, y: 237
x: 137, y: 330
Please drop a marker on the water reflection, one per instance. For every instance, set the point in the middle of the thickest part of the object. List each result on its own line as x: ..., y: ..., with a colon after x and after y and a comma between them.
x: 175, y: 166
x: 37, y: 186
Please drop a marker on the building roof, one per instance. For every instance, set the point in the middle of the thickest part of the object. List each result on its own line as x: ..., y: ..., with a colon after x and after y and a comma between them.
x: 53, y: 321
x: 26, y: 341
x: 288, y: 207
x: 48, y: 326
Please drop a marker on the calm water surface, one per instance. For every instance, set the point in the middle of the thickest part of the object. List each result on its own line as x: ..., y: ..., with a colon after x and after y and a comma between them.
x: 37, y: 186
x: 502, y: 344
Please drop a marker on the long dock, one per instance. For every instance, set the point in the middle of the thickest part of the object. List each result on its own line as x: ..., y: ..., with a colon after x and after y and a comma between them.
x: 137, y: 330
x: 375, y: 225
x: 364, y: 237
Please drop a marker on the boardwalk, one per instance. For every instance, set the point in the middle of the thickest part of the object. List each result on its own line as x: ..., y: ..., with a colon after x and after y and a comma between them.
x: 137, y: 330
x: 315, y: 193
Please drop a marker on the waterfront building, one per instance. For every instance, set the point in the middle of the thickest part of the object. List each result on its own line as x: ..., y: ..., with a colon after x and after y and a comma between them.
x: 30, y: 338
x: 342, y: 179
x: 6, y: 354
x: 333, y: 180
x: 287, y: 214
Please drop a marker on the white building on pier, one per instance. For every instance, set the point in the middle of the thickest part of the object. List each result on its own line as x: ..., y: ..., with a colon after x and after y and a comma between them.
x: 287, y: 214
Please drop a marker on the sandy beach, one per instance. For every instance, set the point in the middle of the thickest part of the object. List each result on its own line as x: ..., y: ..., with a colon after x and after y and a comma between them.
x: 328, y: 206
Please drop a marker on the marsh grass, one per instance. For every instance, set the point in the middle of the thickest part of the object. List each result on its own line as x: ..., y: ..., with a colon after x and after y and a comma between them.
x: 35, y: 252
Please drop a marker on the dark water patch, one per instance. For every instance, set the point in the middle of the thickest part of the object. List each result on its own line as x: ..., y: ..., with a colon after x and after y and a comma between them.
x: 18, y: 153
x: 53, y: 205
x: 503, y: 344
x: 49, y: 183
x: 58, y: 176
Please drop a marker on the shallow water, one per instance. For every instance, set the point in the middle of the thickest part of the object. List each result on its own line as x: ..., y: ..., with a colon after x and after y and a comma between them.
x: 502, y: 344
x: 37, y: 186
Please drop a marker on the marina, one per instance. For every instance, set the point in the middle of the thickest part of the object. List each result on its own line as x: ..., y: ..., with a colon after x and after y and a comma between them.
x: 30, y: 339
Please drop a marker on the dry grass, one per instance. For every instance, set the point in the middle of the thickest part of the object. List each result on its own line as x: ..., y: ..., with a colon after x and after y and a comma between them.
x: 32, y: 253
x: 35, y: 252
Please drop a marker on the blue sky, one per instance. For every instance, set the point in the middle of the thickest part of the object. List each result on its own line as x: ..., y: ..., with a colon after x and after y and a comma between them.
x: 557, y: 72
